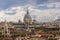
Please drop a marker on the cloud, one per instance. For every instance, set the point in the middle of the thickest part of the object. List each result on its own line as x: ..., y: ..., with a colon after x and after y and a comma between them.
x: 54, y: 5
x: 4, y: 4
x: 14, y: 17
x: 45, y: 15
x: 13, y: 10
x: 53, y: 0
x: 41, y: 15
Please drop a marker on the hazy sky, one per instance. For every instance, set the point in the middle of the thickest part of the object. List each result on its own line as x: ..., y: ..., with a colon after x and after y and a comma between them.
x: 43, y: 10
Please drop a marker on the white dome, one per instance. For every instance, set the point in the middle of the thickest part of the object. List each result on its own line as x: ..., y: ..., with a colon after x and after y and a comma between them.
x: 27, y: 18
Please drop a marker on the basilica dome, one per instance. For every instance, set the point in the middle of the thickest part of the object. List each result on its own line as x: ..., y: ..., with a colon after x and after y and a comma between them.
x: 27, y: 18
